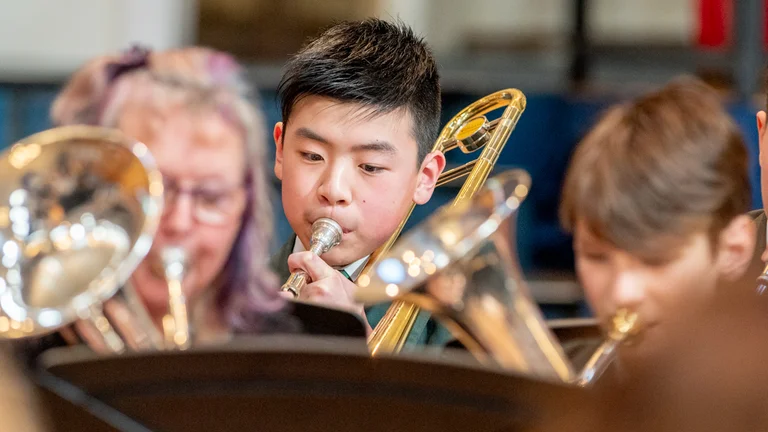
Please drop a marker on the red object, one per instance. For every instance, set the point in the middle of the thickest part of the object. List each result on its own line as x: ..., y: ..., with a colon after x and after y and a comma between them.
x: 714, y: 23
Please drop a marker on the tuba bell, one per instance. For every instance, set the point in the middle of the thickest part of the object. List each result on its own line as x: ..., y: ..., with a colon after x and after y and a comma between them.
x: 461, y: 265
x: 79, y: 208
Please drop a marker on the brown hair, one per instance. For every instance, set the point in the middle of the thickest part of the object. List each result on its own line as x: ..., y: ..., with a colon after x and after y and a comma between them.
x: 664, y: 166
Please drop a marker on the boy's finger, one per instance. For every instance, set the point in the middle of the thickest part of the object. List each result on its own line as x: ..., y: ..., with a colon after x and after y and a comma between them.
x: 313, y: 265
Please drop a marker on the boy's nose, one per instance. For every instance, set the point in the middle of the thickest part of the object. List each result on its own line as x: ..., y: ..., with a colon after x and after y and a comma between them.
x: 336, y: 188
x: 628, y: 289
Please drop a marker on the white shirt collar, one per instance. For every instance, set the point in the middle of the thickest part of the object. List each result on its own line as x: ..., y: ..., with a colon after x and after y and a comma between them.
x: 353, y: 270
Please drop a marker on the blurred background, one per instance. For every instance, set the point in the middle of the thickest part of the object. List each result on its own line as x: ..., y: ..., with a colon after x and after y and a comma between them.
x: 571, y: 58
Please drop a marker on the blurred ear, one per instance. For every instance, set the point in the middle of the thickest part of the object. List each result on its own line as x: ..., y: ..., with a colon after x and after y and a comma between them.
x: 430, y: 170
x: 736, y: 247
x: 277, y: 134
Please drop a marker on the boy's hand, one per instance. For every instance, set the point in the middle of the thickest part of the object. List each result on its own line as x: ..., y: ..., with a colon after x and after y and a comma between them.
x: 327, y: 285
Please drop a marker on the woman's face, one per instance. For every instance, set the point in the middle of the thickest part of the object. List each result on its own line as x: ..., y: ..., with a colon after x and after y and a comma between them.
x: 201, y: 157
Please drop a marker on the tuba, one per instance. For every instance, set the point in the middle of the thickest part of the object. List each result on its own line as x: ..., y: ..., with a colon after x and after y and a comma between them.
x: 79, y: 208
x: 461, y: 265
x: 469, y: 130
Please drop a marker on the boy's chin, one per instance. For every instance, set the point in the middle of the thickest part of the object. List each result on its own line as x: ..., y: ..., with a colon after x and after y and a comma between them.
x: 338, y: 257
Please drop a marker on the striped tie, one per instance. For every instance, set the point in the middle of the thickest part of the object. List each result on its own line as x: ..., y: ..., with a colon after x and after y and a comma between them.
x: 345, y: 274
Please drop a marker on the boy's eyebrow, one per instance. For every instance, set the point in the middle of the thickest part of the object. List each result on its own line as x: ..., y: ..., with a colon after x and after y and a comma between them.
x: 377, y: 146
x: 310, y: 134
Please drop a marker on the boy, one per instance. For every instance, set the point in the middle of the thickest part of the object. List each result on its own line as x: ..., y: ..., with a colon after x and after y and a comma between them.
x: 656, y: 196
x: 360, y: 114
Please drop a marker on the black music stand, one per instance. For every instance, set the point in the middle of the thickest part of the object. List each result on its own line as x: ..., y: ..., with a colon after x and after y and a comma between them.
x: 67, y: 408
x: 305, y: 384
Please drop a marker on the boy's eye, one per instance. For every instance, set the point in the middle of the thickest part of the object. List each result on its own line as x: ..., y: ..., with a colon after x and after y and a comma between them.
x: 312, y: 157
x: 372, y: 169
x: 656, y: 261
x: 594, y: 256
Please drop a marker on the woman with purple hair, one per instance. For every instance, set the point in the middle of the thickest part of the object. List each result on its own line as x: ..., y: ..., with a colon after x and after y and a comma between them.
x: 191, y: 108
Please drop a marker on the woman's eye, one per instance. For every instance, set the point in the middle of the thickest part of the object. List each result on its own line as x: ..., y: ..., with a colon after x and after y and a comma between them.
x: 211, y: 198
x: 312, y: 157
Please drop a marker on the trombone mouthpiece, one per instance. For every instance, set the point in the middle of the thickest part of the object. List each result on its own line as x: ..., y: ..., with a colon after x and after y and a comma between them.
x: 174, y: 261
x: 176, y: 322
x: 625, y: 324
x: 326, y: 233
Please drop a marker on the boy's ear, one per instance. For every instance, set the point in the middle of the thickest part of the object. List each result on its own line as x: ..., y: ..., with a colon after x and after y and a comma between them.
x: 761, y: 117
x: 277, y: 134
x: 431, y: 168
x: 736, y: 247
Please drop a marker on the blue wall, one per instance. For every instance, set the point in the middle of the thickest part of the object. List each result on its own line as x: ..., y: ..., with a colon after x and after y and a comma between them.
x: 542, y: 143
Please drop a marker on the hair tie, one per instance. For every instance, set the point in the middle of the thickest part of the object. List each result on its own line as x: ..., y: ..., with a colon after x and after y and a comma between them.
x: 135, y: 58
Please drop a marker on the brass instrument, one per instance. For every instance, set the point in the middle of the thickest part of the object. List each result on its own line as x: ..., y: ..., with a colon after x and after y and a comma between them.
x: 176, y: 322
x: 79, y: 208
x: 326, y: 233
x: 469, y: 130
x: 623, y: 326
x: 461, y: 265
x: 762, y: 281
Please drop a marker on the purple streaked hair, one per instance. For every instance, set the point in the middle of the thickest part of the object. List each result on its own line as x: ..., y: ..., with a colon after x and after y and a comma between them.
x: 247, y: 297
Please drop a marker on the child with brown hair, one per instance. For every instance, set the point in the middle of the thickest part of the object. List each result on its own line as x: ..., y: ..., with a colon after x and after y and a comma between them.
x: 656, y: 197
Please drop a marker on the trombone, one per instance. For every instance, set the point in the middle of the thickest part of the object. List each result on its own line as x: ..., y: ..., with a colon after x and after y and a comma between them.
x: 469, y: 130
x: 79, y: 209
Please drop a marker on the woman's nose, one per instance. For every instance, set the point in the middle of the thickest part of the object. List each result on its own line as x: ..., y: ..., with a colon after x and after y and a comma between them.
x: 179, y: 215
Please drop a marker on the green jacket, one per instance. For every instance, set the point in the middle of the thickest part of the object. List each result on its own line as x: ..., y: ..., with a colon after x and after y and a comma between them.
x: 426, y: 331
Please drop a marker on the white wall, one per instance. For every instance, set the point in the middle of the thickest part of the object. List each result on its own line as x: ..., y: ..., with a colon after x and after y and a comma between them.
x: 446, y: 22
x: 50, y: 38
x: 632, y: 21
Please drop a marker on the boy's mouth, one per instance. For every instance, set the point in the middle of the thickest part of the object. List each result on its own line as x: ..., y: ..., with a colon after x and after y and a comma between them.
x: 344, y: 228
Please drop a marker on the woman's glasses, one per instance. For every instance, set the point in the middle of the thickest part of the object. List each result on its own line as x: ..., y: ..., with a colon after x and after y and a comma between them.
x: 211, y: 205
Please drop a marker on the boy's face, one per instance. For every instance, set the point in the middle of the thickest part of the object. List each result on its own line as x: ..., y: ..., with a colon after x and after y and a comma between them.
x: 337, y: 161
x: 667, y: 288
